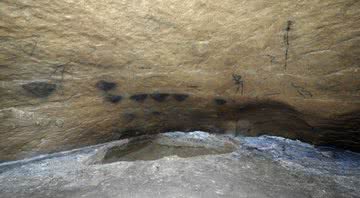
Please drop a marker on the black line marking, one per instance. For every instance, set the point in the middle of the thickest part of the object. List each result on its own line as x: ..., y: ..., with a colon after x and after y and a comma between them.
x: 287, y: 42
x: 239, y: 83
x: 302, y: 91
x: 62, y: 69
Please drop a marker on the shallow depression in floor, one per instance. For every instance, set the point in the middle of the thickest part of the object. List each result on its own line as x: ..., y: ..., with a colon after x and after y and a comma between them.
x: 152, y: 150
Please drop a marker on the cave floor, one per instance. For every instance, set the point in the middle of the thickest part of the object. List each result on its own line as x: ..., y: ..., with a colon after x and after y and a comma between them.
x: 195, y: 164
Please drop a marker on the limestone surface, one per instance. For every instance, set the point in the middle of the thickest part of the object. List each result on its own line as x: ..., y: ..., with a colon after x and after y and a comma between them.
x: 258, y: 167
x: 82, y: 72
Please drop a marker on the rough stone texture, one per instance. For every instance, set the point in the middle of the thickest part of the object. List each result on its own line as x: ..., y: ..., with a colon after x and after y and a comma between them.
x: 260, y: 167
x: 288, y: 68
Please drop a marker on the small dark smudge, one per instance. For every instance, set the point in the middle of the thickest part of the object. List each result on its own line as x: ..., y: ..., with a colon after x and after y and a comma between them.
x: 159, y: 97
x: 180, y: 97
x: 114, y: 98
x: 130, y: 133
x: 105, y: 85
x: 129, y: 117
x: 115, y: 134
x: 139, y: 97
x: 219, y: 101
x: 288, y: 27
x: 40, y: 89
x: 157, y: 113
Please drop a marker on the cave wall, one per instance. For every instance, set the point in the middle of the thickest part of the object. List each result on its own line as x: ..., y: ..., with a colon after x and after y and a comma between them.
x: 81, y: 72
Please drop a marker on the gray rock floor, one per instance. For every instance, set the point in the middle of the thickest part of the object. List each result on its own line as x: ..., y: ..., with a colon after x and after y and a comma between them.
x: 210, y: 166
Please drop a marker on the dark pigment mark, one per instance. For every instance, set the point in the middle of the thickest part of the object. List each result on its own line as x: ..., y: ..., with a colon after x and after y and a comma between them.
x: 62, y: 70
x: 287, y: 42
x: 105, y: 85
x: 180, y: 97
x: 156, y: 113
x: 220, y: 101
x: 132, y: 132
x: 159, y: 97
x: 302, y: 91
x: 272, y: 58
x: 239, y: 83
x: 113, y: 98
x: 139, y: 97
x: 40, y: 89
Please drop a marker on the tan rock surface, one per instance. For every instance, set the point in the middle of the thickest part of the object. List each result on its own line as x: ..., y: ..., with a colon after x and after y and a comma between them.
x: 287, y: 68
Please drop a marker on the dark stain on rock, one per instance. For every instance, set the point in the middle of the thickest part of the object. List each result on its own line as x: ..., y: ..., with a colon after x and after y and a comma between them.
x: 180, y: 97
x: 105, y: 85
x: 219, y: 101
x: 113, y: 98
x: 341, y: 131
x: 159, y: 97
x: 156, y: 113
x: 131, y: 132
x: 139, y: 97
x: 129, y: 117
x: 40, y: 89
x: 302, y: 91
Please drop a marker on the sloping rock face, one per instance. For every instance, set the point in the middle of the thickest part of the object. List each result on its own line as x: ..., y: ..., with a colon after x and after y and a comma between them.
x: 76, y: 72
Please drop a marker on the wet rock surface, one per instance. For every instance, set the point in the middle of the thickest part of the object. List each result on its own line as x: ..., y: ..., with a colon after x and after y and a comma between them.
x: 257, y: 167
